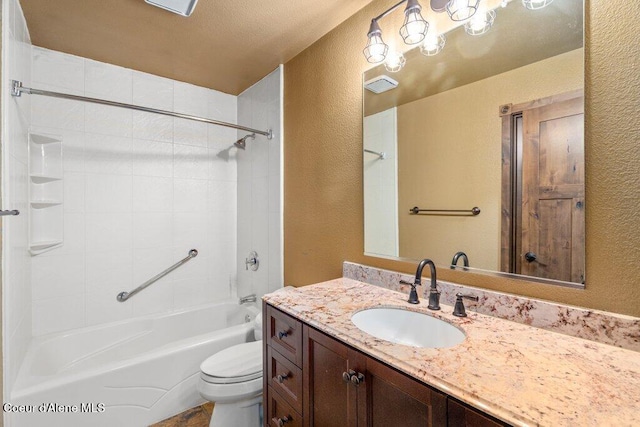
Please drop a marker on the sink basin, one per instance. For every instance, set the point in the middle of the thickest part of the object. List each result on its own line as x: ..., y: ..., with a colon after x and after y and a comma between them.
x: 407, y: 327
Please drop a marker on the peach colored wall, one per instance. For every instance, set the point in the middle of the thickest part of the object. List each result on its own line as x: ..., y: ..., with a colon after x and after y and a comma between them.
x: 323, y: 162
x: 449, y: 157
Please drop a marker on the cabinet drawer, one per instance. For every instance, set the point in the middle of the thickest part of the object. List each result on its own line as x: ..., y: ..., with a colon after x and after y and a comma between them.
x: 279, y: 412
x: 285, y: 378
x: 284, y: 334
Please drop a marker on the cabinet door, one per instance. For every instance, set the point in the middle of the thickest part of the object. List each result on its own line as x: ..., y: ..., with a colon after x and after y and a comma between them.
x: 329, y: 399
x: 394, y: 399
x: 461, y: 415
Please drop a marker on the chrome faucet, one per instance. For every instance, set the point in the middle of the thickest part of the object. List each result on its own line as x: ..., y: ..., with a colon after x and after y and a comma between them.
x: 456, y: 257
x: 434, y: 294
x: 248, y: 298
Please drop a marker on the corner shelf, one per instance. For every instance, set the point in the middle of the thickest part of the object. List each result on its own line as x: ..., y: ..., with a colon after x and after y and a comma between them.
x: 46, y: 213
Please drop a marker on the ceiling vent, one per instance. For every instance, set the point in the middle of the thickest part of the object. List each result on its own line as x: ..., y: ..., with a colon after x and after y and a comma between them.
x: 380, y: 84
x: 181, y: 7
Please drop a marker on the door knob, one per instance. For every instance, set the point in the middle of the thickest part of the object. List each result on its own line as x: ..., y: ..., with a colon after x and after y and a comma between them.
x: 532, y: 257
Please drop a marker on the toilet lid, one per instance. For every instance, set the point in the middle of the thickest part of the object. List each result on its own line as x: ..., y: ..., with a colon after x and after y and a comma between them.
x: 241, y: 362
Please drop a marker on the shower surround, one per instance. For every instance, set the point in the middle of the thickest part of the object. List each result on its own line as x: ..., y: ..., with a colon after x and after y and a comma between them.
x: 140, y: 191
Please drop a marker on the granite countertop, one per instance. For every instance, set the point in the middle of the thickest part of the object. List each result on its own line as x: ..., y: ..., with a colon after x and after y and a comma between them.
x: 520, y: 374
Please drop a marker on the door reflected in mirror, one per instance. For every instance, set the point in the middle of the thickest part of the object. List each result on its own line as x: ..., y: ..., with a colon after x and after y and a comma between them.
x: 493, y: 122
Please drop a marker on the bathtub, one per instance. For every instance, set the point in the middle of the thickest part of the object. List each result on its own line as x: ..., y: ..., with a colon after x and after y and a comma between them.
x: 130, y: 373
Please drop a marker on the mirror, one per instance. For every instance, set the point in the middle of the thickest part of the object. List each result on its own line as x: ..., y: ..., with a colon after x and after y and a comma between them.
x: 480, y: 148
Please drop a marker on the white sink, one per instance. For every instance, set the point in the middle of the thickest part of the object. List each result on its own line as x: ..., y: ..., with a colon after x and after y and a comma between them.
x: 407, y: 327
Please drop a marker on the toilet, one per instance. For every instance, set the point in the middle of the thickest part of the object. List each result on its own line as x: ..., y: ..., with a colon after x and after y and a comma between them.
x: 232, y: 379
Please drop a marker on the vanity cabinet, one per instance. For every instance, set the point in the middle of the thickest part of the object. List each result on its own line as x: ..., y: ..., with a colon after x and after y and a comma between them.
x: 312, y: 379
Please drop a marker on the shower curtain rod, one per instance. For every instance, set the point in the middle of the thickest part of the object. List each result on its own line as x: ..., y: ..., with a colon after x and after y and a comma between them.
x: 17, y: 89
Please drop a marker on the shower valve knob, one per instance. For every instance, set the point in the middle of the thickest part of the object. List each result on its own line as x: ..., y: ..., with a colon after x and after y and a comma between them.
x: 252, y: 261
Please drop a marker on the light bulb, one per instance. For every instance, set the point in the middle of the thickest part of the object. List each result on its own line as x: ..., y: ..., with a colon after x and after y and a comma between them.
x: 433, y: 44
x: 536, y: 4
x: 376, y: 49
x: 415, y: 27
x: 480, y: 23
x: 460, y: 10
x: 395, y: 61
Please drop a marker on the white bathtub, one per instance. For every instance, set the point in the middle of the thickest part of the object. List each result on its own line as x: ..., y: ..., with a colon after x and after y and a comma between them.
x: 134, y: 372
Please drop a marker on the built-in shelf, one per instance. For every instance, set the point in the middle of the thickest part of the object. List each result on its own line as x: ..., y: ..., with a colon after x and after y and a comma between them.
x: 46, y: 214
x: 39, y: 247
x: 40, y: 204
x: 41, y: 179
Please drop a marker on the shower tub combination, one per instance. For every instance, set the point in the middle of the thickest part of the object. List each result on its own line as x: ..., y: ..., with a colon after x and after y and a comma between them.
x: 129, y: 373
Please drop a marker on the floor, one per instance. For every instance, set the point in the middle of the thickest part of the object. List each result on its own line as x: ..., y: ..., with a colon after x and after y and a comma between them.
x: 194, y: 417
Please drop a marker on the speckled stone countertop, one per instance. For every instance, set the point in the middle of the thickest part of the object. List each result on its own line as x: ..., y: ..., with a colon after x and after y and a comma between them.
x: 520, y: 374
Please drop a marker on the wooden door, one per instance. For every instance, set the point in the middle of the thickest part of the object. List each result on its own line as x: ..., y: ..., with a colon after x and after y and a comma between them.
x: 552, y: 229
x: 329, y: 400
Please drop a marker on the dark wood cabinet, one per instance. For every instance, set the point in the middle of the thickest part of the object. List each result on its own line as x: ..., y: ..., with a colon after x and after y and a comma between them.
x: 461, y: 415
x: 344, y: 387
x: 312, y: 379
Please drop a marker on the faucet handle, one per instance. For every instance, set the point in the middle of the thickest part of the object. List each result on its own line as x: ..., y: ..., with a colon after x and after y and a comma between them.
x: 413, y: 295
x: 458, y: 309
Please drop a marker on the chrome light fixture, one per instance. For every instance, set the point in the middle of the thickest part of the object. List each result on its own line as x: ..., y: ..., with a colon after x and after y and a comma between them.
x: 536, y: 4
x: 433, y: 44
x: 460, y: 10
x: 415, y: 27
x: 480, y: 23
x: 376, y: 49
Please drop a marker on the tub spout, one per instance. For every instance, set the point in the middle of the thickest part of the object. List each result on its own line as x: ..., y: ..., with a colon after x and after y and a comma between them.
x: 248, y: 298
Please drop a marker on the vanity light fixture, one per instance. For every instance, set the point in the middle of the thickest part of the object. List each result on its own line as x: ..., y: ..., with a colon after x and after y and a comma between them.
x: 480, y: 23
x: 412, y: 31
x: 460, y: 10
x: 395, y: 61
x: 415, y: 27
x: 376, y: 49
x: 433, y: 44
x: 536, y: 4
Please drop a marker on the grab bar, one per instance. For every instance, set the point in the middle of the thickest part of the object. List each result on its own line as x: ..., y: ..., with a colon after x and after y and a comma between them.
x: 382, y: 155
x: 445, y: 212
x: 123, y: 296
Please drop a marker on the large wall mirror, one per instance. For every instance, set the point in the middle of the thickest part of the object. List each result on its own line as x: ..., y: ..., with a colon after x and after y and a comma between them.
x: 479, y: 149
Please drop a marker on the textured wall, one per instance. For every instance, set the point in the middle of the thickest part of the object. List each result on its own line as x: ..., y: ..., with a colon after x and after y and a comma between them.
x: 323, y: 162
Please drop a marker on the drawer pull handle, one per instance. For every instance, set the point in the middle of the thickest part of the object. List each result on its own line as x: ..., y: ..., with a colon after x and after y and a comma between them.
x: 282, y: 377
x: 282, y: 334
x: 282, y: 421
x: 346, y: 376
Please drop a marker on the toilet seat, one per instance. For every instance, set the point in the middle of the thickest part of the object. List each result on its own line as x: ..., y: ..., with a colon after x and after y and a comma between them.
x: 237, y: 364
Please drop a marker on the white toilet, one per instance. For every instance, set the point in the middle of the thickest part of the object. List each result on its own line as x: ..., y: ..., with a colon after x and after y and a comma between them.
x: 232, y: 379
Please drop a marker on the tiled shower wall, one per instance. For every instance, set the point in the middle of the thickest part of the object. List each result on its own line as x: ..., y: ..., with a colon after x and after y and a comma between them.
x: 260, y: 187
x: 140, y: 191
x: 16, y: 291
